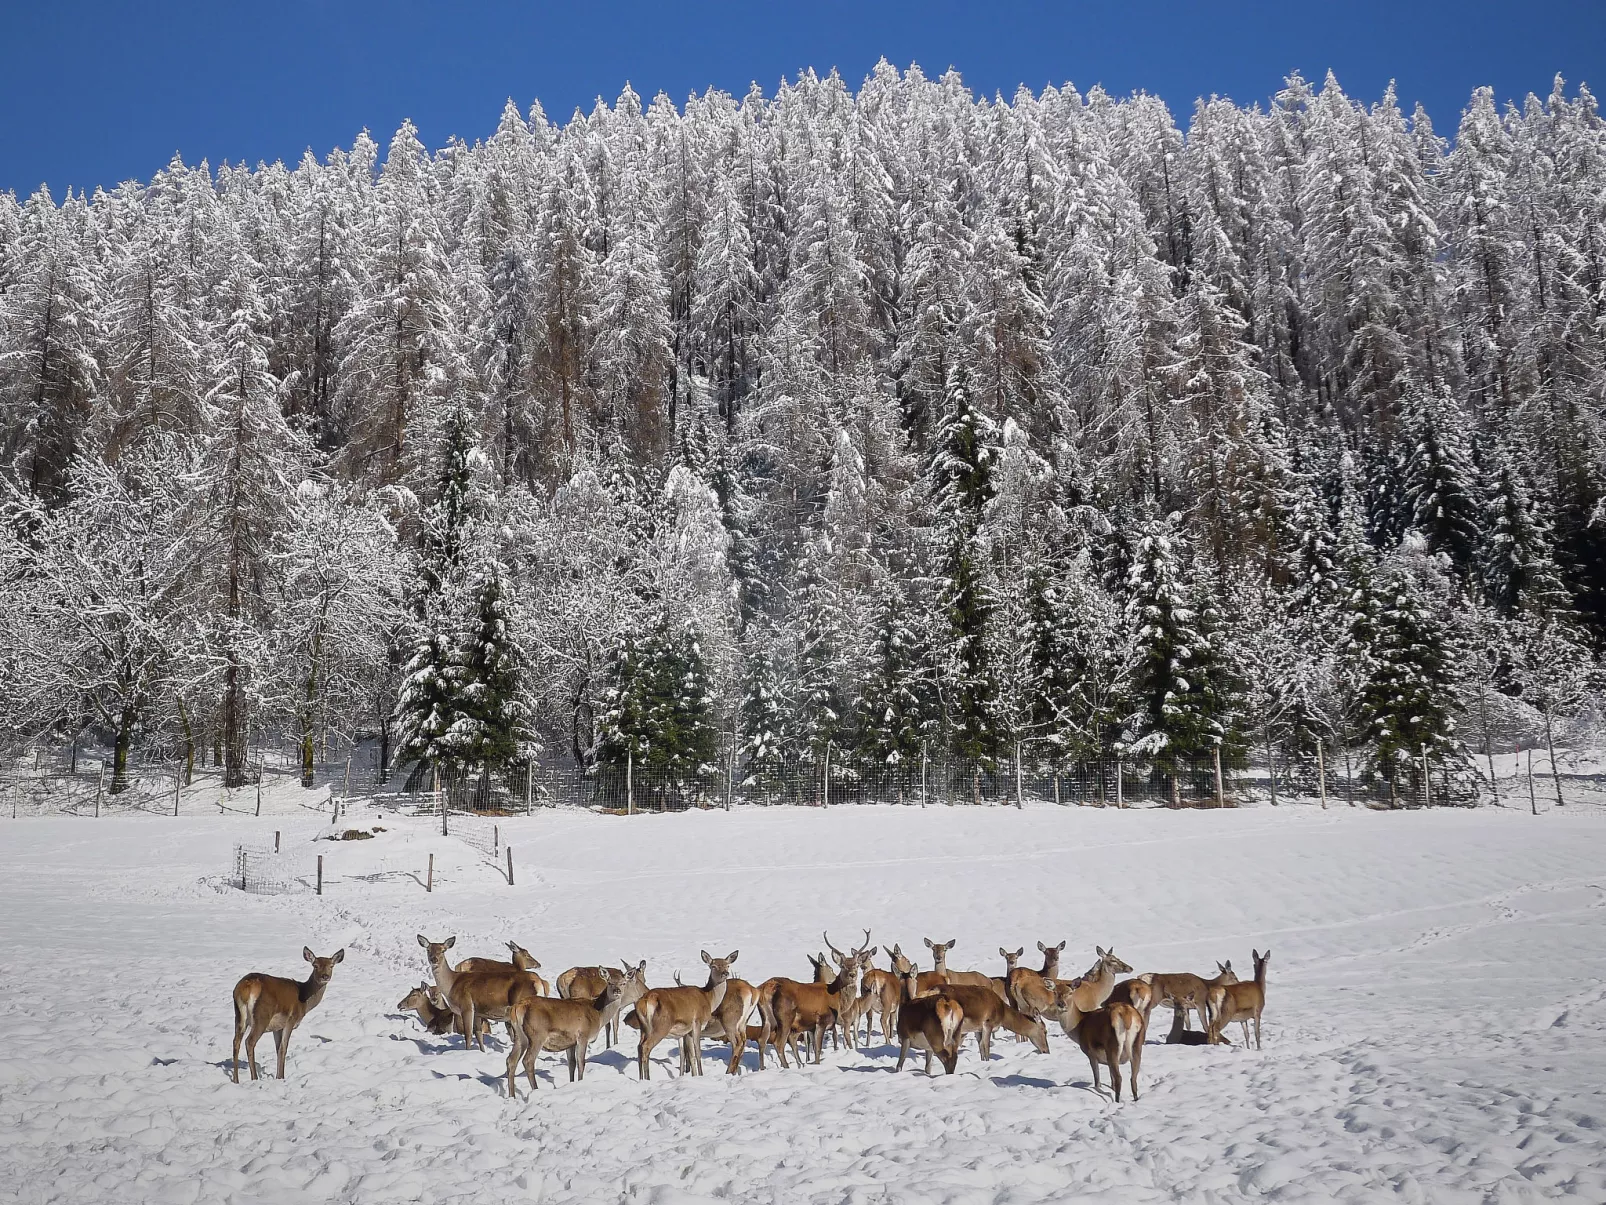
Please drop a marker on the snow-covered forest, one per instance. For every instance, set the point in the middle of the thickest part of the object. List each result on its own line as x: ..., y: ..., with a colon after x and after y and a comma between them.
x: 823, y: 424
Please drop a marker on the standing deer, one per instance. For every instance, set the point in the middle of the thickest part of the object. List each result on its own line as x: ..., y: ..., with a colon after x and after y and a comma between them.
x: 264, y: 1003
x: 474, y: 996
x: 1092, y: 989
x: 799, y: 1007
x: 729, y: 1019
x: 587, y: 983
x: 1112, y: 1034
x: 1032, y: 991
x: 930, y: 1023
x: 1241, y: 1002
x: 881, y: 992
x: 541, y: 1022
x: 984, y: 1011
x: 940, y: 975
x: 683, y: 1013
x: 766, y: 1004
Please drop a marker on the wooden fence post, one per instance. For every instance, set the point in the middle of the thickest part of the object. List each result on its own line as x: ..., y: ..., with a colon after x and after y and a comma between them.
x: 1019, y: 799
x: 178, y: 781
x: 922, y: 773
x: 529, y: 777
x: 440, y: 800
x: 429, y: 880
x: 1321, y: 773
x: 275, y: 840
x: 320, y: 874
x: 510, y: 866
x: 630, y: 781
x: 496, y: 839
x: 99, y: 787
x: 1427, y: 783
x: 1271, y: 765
x: 259, y: 793
x: 1533, y: 801
x: 1120, y: 789
x: 1221, y: 798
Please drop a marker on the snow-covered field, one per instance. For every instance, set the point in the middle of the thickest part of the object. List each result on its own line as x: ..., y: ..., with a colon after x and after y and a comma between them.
x: 1435, y: 1025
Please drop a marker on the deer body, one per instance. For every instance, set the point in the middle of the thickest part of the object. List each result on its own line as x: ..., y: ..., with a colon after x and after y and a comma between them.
x: 685, y: 1013
x: 984, y: 1012
x: 268, y: 1003
x: 1032, y: 991
x: 882, y: 992
x: 1111, y: 1035
x: 929, y: 1023
x: 1241, y: 1002
x: 541, y: 1022
x: 941, y: 976
x: 431, y: 1009
x: 799, y: 1007
x: 522, y: 961
x: 587, y: 983
x: 1076, y: 996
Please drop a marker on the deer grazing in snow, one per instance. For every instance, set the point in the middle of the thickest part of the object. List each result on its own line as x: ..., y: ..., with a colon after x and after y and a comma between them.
x: 930, y: 1023
x: 1241, y: 1002
x: 268, y: 1003
x: 541, y: 1022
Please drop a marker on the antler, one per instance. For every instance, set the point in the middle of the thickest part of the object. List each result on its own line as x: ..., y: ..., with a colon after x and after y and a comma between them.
x: 836, y: 953
x: 866, y: 944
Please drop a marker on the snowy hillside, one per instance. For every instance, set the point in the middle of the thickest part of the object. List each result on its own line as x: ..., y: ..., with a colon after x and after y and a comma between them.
x: 1434, y: 1027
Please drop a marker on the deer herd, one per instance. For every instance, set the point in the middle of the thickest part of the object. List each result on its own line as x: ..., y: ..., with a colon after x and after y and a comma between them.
x: 926, y: 1011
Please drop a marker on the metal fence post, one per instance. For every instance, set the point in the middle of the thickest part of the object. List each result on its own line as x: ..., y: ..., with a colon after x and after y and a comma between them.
x: 630, y: 782
x: 1221, y: 796
x: 1321, y: 773
x: 1120, y: 787
x: 1019, y: 796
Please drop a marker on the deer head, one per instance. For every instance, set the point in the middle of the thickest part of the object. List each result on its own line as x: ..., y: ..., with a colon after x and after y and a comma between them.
x: 1051, y: 959
x: 1011, y: 959
x: 323, y: 969
x: 435, y: 951
x: 522, y: 957
x: 719, y: 969
x: 939, y: 952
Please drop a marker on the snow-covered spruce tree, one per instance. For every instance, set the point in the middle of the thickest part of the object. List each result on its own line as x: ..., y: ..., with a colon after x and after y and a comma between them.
x: 1441, y: 482
x: 1179, y: 693
x: 658, y: 707
x: 894, y: 709
x: 763, y: 718
x: 963, y: 454
x: 1398, y: 656
x: 1517, y: 563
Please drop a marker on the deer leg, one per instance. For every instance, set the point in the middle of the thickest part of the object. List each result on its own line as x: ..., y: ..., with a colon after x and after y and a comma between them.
x: 644, y: 1056
x: 1115, y: 1073
x: 513, y: 1058
x: 251, y: 1041
x: 1137, y: 1061
x: 239, y: 1032
x: 1093, y: 1062
x: 903, y: 1053
x: 281, y: 1039
x: 1257, y: 1029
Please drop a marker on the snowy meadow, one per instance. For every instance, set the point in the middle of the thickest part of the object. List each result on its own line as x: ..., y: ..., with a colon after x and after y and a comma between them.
x: 1434, y: 1026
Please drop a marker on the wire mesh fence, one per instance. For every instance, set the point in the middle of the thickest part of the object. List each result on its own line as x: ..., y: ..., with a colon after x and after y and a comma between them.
x: 261, y: 869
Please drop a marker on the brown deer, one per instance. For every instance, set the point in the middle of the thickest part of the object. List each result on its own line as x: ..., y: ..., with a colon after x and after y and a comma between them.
x: 587, y: 983
x: 766, y: 1004
x: 1032, y: 991
x: 930, y: 1023
x: 940, y: 975
x: 798, y: 1007
x: 474, y: 996
x: 881, y: 992
x: 541, y: 1022
x: 683, y: 1013
x: 1241, y: 1002
x: 431, y: 1009
x: 984, y: 1011
x: 1112, y: 1034
x: 1092, y: 989
x: 264, y: 1003
x: 729, y: 1019
x: 522, y: 960
x: 848, y: 1020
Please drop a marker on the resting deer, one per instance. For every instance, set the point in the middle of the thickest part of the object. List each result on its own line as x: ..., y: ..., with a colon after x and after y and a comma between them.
x: 984, y: 1011
x: 541, y: 1022
x: 940, y: 975
x: 1112, y: 1034
x: 1092, y: 989
x: 264, y: 1003
x: 1241, y: 1002
x: 799, y: 1007
x: 587, y: 983
x: 431, y: 1009
x: 683, y: 1013
x: 881, y: 992
x: 930, y: 1023
x: 1032, y: 991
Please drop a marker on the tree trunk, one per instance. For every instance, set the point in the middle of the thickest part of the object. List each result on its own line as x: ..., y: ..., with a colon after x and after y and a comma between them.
x: 189, y: 743
x: 123, y: 739
x: 1555, y: 774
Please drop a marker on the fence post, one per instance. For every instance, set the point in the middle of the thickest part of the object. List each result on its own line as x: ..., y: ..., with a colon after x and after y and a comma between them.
x: 440, y: 800
x: 529, y: 776
x: 1120, y: 789
x: 320, y: 874
x: 1550, y: 743
x: 429, y: 878
x: 510, y: 866
x: 730, y: 776
x: 630, y: 781
x: 345, y: 790
x: 178, y: 781
x: 1221, y: 795
x: 243, y: 856
x: 922, y: 773
x: 827, y: 785
x: 1271, y: 765
x: 1533, y: 801
x: 99, y: 787
x: 1427, y: 785
x: 259, y: 793
x: 1321, y: 773
x: 1019, y: 801
x: 496, y: 839
x: 275, y: 840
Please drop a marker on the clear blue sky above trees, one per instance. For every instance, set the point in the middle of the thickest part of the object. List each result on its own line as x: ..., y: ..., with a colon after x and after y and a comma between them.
x: 93, y: 93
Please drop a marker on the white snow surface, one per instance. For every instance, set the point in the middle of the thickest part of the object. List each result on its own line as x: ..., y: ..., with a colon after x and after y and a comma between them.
x: 1435, y: 1027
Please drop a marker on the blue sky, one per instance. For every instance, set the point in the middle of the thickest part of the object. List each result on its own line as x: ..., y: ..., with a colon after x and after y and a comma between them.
x: 94, y: 93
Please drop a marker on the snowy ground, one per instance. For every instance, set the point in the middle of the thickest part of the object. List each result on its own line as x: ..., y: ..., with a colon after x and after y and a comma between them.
x: 1435, y: 1027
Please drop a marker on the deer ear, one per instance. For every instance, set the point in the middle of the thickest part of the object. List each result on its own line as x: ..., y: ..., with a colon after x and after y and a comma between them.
x: 706, y: 958
x: 1060, y: 948
x: 733, y: 955
x: 306, y: 952
x: 340, y: 955
x: 1003, y: 953
x: 450, y: 942
x: 1042, y: 947
x: 929, y: 946
x: 423, y: 941
x: 1101, y: 951
x: 953, y: 942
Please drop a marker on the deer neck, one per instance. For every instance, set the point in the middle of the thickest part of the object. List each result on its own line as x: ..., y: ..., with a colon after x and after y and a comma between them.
x: 310, y: 991
x: 1051, y: 965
